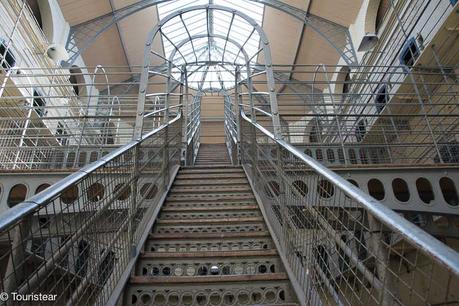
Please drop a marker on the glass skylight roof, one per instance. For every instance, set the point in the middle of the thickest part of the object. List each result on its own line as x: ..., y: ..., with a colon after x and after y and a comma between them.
x: 199, y: 52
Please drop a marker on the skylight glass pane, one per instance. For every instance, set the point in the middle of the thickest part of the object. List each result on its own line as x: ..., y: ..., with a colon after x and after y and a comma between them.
x: 195, y: 23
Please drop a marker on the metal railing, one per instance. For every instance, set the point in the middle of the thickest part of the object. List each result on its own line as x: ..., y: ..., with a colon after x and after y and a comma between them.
x: 365, y: 115
x: 340, y: 245
x: 60, y: 118
x: 78, y: 239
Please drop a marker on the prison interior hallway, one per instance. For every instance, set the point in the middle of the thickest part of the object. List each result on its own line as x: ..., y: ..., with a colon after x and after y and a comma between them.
x: 209, y: 244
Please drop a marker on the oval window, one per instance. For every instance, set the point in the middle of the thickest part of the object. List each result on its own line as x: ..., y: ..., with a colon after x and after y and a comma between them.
x: 376, y: 189
x: 325, y: 189
x: 449, y: 191
x: 425, y: 191
x: 401, y: 191
x: 95, y: 192
x: 17, y: 195
x: 70, y: 194
x: 301, y: 187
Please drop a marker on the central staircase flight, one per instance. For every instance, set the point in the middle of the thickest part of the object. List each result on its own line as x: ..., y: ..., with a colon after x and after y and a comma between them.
x: 209, y: 244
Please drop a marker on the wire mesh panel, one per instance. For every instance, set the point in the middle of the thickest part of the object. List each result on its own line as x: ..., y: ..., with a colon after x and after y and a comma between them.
x: 75, y: 239
x: 54, y: 118
x: 342, y: 246
x: 369, y: 115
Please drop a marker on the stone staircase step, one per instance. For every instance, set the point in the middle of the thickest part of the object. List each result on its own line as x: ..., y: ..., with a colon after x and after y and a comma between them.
x: 208, y: 215
x: 208, y: 279
x: 209, y: 235
x: 211, y: 182
x: 210, y: 221
x: 229, y: 203
x: 210, y: 197
x: 229, y: 168
x: 210, y: 228
x: 210, y: 176
x: 168, y: 208
x: 220, y: 254
x: 209, y: 189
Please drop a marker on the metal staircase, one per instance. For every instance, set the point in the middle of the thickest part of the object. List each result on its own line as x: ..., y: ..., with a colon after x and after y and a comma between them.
x: 210, y: 244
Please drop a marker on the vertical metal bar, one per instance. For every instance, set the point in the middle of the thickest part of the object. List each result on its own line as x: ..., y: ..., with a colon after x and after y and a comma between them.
x: 424, y: 112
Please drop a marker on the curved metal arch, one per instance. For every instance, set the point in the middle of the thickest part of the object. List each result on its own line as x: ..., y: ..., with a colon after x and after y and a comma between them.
x: 194, y: 37
x: 247, y: 64
x: 322, y: 26
x: 264, y: 45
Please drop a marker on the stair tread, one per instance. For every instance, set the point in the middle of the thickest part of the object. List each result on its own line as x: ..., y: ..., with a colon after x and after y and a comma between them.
x: 211, y: 187
x: 207, y: 278
x: 197, y: 236
x: 210, y: 182
x: 210, y: 221
x: 209, y: 209
x: 208, y: 254
x: 210, y: 176
x: 211, y: 198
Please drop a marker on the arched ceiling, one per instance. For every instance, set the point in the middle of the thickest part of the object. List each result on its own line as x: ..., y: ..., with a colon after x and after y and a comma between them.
x: 292, y: 41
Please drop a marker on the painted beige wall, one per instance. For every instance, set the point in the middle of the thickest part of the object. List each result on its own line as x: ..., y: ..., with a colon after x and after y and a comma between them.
x: 212, y: 129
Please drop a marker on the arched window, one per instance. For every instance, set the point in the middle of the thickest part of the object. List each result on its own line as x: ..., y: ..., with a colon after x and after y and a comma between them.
x: 106, y: 266
x: 360, y: 130
x: 381, y: 98
x: 7, y: 58
x: 410, y: 53
x: 76, y: 79
x: 39, y: 104
x: 61, y: 134
x: 315, y: 131
x: 314, y: 135
x: 41, y: 188
x: 81, y: 263
x: 17, y: 195
x: 109, y: 131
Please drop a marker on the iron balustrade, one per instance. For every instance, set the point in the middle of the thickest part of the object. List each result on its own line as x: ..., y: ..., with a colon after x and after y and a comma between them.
x: 79, y: 238
x: 365, y: 115
x: 340, y: 245
x: 60, y: 118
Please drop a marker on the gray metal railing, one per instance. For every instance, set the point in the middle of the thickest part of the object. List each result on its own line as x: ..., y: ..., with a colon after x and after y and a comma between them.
x: 78, y: 239
x: 340, y: 245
